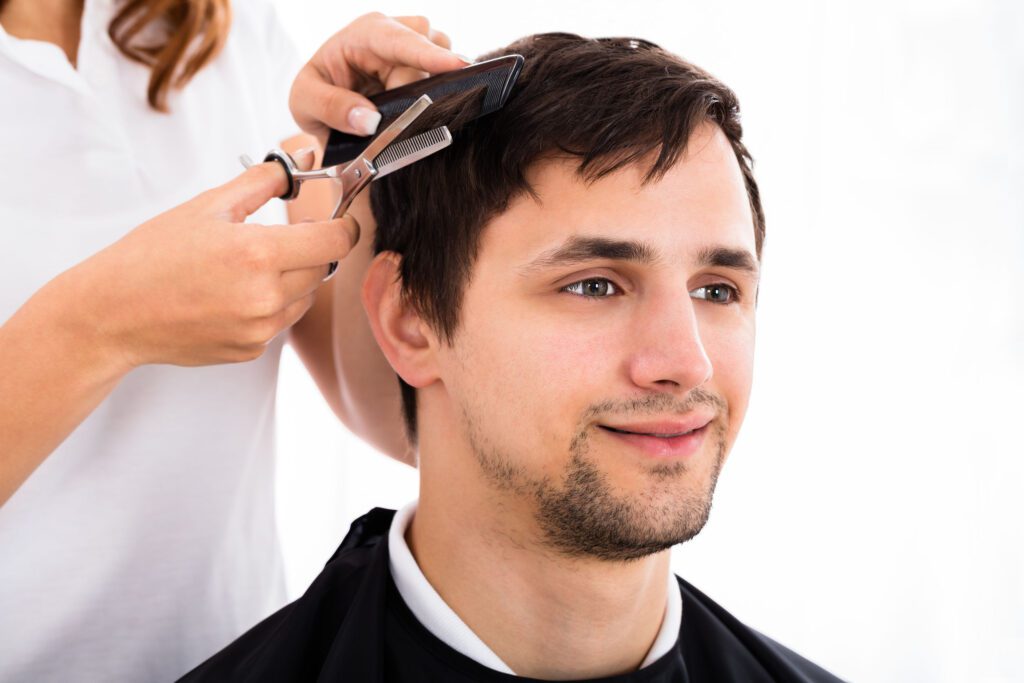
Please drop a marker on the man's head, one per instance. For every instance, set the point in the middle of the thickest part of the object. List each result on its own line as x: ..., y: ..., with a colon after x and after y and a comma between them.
x: 572, y: 284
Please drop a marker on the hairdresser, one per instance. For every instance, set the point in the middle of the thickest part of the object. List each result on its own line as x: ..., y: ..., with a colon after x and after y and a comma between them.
x: 143, y: 318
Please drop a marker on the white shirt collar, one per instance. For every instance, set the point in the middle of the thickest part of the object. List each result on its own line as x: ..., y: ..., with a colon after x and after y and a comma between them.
x: 433, y: 612
x: 49, y: 61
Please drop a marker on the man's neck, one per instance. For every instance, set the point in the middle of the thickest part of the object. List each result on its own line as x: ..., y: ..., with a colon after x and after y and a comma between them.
x: 544, y: 614
x: 52, y: 21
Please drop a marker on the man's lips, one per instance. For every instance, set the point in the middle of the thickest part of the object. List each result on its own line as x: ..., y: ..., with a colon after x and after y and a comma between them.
x: 662, y: 428
x: 663, y: 439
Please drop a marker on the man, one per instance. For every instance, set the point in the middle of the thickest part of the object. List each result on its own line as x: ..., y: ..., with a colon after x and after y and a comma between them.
x: 568, y: 296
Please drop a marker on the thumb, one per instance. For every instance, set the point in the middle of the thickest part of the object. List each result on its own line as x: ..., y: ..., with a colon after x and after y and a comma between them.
x: 242, y: 196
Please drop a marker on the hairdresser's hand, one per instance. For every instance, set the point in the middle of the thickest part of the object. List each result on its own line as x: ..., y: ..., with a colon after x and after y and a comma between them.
x: 371, y: 54
x: 197, y: 286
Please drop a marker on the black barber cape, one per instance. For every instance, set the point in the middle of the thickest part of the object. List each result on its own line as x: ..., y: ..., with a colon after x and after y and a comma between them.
x: 352, y: 626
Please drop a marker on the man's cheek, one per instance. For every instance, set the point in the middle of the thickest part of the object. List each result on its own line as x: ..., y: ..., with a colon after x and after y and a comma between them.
x: 733, y: 362
x: 504, y: 368
x: 549, y: 377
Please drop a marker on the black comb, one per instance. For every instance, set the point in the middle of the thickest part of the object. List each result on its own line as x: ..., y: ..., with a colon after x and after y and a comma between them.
x: 499, y: 75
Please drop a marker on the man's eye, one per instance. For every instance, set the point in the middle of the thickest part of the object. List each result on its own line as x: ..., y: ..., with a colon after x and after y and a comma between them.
x: 717, y: 293
x: 595, y: 287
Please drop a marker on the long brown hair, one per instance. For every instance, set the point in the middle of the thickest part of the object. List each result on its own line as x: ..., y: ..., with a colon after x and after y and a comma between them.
x: 175, y: 38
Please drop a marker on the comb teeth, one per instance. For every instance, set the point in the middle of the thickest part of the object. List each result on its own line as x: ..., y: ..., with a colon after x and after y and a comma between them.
x: 403, y: 153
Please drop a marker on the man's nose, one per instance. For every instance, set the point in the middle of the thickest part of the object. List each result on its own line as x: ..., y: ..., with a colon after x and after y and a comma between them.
x: 668, y: 354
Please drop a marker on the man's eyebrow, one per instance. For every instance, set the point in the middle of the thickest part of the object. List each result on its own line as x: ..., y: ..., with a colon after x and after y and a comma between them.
x: 578, y: 249
x: 727, y: 257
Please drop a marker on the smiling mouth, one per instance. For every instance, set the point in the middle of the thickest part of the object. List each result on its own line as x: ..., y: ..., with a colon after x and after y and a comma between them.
x: 659, y: 436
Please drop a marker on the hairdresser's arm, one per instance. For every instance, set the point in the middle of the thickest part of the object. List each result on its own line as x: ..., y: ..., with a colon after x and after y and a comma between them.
x: 334, y: 339
x: 193, y: 286
x: 335, y: 344
x: 54, y: 371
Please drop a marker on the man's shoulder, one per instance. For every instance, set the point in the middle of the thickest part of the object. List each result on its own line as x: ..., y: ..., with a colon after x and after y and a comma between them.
x: 717, y: 629
x: 336, y: 611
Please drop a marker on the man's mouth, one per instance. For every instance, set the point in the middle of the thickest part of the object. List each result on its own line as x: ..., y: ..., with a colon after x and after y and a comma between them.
x: 663, y: 439
x: 665, y: 428
x: 659, y: 436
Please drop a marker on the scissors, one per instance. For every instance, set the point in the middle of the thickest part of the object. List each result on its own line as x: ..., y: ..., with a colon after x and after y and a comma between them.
x: 379, y: 159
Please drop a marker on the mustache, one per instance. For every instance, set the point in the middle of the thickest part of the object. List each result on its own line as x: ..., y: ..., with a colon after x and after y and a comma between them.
x: 659, y: 404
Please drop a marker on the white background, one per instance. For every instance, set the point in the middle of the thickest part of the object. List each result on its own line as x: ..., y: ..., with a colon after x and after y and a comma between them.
x: 870, y: 515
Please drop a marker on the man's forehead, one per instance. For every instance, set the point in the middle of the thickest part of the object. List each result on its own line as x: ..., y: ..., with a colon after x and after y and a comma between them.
x: 700, y: 203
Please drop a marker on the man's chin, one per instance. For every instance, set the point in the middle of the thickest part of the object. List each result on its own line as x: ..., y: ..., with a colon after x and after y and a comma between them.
x: 589, y: 517
x: 657, y: 480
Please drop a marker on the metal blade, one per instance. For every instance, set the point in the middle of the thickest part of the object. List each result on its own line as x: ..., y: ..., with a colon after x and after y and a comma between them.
x: 412, y: 150
x: 381, y: 142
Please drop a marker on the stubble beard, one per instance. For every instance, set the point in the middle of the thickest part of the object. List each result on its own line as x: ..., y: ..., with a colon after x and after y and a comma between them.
x: 581, y: 516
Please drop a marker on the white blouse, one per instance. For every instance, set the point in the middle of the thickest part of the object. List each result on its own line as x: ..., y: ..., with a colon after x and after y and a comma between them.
x: 146, y: 542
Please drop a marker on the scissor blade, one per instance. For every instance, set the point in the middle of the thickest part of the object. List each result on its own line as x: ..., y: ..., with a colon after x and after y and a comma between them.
x: 382, y: 141
x: 401, y: 154
x: 360, y: 171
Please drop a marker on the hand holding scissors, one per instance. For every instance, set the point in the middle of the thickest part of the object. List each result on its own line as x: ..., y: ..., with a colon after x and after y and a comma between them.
x: 379, y: 159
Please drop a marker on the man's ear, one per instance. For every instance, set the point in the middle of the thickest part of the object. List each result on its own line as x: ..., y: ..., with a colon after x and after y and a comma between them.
x: 403, y: 336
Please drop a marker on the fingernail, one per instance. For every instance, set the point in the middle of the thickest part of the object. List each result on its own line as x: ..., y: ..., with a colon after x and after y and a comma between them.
x: 364, y: 120
x: 464, y: 58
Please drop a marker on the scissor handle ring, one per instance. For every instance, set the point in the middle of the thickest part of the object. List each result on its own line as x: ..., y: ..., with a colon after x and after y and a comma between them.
x: 290, y: 169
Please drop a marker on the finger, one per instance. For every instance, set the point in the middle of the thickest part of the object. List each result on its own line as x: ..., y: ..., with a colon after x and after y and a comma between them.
x: 417, y: 23
x: 295, y: 311
x: 316, y: 100
x: 401, y: 75
x: 308, y: 245
x: 242, y: 196
x: 296, y: 284
x: 422, y: 26
x: 389, y: 43
x: 441, y: 38
x: 274, y: 325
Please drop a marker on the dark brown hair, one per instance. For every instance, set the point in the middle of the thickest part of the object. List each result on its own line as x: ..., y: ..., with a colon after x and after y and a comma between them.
x: 175, y: 38
x: 609, y: 102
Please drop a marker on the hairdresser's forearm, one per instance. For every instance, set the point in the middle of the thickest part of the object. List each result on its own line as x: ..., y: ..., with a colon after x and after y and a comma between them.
x: 334, y: 340
x: 369, y: 388
x: 336, y: 345
x: 53, y: 374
